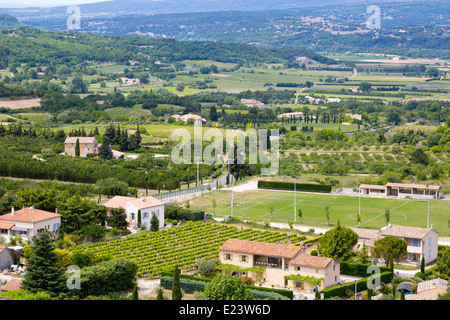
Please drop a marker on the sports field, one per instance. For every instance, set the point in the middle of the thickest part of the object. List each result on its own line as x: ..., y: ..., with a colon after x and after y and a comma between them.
x: 278, y: 206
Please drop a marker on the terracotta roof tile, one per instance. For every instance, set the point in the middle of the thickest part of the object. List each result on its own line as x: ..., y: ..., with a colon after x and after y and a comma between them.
x: 311, y: 261
x: 13, y: 284
x: 412, y: 185
x: 29, y: 215
x: 432, y: 284
x: 81, y: 140
x: 407, y: 232
x: 6, y: 225
x: 261, y: 248
x: 121, y: 202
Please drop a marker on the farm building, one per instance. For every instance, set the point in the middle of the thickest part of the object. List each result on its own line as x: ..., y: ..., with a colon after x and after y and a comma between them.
x: 146, y: 205
x: 282, y: 262
x: 402, y: 190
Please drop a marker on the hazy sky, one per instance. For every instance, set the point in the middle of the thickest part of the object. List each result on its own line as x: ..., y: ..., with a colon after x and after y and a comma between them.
x: 41, y: 3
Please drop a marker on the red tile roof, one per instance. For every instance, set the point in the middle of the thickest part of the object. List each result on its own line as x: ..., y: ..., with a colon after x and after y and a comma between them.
x: 28, y: 215
x: 311, y: 261
x: 6, y: 225
x: 121, y: 202
x: 261, y: 248
x: 406, y: 232
x: 80, y: 139
x: 13, y: 284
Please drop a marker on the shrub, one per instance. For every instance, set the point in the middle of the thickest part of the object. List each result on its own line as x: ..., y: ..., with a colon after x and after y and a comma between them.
x: 290, y: 186
x: 361, y: 285
x: 314, y: 253
x: 108, y: 276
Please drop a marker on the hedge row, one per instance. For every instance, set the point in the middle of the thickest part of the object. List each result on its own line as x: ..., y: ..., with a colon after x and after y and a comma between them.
x: 358, y: 269
x: 187, y: 285
x: 309, y: 187
x: 430, y: 271
x: 361, y: 285
x: 190, y: 283
x: 312, y: 240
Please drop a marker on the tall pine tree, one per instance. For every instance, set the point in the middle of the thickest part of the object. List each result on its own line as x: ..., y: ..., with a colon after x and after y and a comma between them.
x: 43, y: 270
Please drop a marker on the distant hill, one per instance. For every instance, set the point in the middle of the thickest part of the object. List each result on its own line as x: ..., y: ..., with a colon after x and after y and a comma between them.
x: 7, y: 22
x: 121, y: 7
x: 44, y: 47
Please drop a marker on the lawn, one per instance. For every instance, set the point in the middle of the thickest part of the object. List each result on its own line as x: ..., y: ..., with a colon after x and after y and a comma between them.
x: 278, y: 206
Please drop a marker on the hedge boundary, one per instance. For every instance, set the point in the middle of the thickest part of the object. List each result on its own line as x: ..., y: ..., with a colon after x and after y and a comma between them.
x: 308, y: 187
x: 361, y: 285
x: 188, y: 282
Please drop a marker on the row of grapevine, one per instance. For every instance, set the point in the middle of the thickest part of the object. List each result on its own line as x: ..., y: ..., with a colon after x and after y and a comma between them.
x: 154, y: 252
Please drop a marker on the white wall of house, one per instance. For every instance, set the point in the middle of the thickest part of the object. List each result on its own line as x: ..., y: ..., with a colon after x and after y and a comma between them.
x: 53, y: 224
x: 146, y: 214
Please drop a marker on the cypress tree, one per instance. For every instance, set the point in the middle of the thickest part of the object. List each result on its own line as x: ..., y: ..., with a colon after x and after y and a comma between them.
x: 176, y: 288
x: 422, y: 265
x: 159, y: 294
x: 139, y: 218
x: 402, y: 294
x: 77, y: 148
x: 135, y: 295
x: 43, y: 270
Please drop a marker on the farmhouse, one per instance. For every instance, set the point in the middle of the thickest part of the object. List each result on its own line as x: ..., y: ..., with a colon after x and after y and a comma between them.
x: 403, y: 190
x: 28, y: 222
x: 353, y: 116
x: 148, y: 206
x: 291, y: 115
x: 197, y: 119
x: 284, y: 265
x: 252, y: 103
x: 87, y: 145
x: 421, y: 242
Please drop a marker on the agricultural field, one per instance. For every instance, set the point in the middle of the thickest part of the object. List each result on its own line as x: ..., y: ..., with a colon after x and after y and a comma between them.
x: 278, y: 206
x: 416, y: 128
x: 182, y: 245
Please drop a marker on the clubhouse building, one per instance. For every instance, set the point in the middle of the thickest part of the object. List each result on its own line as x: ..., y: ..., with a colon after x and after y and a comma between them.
x: 402, y: 190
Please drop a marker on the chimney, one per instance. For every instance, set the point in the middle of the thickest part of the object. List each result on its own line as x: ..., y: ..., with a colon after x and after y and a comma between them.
x: 142, y: 197
x: 32, y: 207
x: 56, y: 210
x: 432, y: 227
x: 12, y: 210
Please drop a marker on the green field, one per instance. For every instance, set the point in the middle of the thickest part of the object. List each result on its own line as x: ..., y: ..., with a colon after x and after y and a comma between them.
x: 256, y: 205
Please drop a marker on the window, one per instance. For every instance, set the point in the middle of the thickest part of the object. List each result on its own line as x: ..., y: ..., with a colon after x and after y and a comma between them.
x: 429, y: 241
x: 317, y: 270
x: 334, y: 267
x: 415, y: 242
x: 297, y: 268
x: 243, y: 258
x: 429, y: 253
x: 335, y: 278
x: 228, y: 256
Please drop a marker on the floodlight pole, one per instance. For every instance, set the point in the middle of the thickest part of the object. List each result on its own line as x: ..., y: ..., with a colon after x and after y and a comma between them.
x: 428, y: 214
x: 198, y: 175
x: 359, y: 195
x: 232, y: 196
x: 295, y: 202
